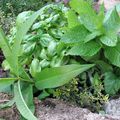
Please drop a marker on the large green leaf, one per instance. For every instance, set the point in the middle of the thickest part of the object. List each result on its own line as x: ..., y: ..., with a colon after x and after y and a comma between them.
x: 6, y: 82
x: 21, y: 104
x: 112, y: 20
x: 113, y: 54
x: 75, y: 35
x: 112, y: 83
x: 27, y: 92
x: 87, y: 14
x: 58, y: 76
x: 85, y: 49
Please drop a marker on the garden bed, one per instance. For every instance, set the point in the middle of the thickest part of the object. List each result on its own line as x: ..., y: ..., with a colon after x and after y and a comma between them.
x: 48, y: 48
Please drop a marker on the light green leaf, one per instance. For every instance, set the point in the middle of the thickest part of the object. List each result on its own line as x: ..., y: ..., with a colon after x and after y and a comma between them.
x: 109, y: 39
x: 22, y: 17
x: 8, y: 104
x: 6, y: 82
x: 72, y: 19
x: 113, y: 54
x: 35, y: 67
x: 112, y: 83
x: 20, y: 103
x: 7, y: 51
x: 92, y: 36
x: 112, y: 21
x: 88, y: 17
x: 58, y: 76
x: 75, y: 35
x: 85, y: 49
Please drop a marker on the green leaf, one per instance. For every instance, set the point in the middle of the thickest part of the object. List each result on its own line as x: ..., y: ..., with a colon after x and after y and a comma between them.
x: 112, y: 83
x: 8, y: 104
x: 72, y: 19
x: 22, y: 30
x: 35, y: 67
x: 24, y: 75
x: 58, y: 76
x: 109, y: 39
x: 92, y: 36
x: 75, y: 35
x: 112, y: 21
x: 21, y: 104
x: 22, y: 17
x: 6, y: 82
x: 85, y: 49
x: 27, y: 92
x: 105, y: 67
x: 88, y: 17
x: 7, y: 51
x: 43, y: 95
x: 113, y: 54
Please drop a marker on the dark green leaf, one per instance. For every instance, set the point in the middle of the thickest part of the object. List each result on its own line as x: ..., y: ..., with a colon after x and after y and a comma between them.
x: 113, y: 54
x: 112, y: 83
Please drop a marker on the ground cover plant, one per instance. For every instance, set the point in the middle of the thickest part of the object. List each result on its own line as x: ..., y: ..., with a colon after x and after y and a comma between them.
x: 23, y: 79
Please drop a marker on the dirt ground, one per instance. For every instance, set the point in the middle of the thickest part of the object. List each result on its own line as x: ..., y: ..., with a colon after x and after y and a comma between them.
x: 53, y: 109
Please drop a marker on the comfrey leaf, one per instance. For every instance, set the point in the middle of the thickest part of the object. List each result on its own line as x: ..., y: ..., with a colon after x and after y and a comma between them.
x: 112, y: 83
x: 88, y: 16
x: 85, y: 49
x: 75, y: 35
x: 113, y: 54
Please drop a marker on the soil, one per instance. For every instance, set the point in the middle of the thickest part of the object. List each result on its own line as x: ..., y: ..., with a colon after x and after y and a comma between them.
x: 53, y: 109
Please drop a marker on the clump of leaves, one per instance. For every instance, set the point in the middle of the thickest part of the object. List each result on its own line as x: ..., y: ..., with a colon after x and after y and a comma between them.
x: 25, y: 81
x: 94, y: 36
x: 84, y: 91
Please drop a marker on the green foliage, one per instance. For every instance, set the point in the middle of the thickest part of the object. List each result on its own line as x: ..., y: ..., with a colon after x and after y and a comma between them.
x: 29, y: 67
x: 94, y: 38
x: 17, y: 6
x: 112, y: 83
x: 79, y: 92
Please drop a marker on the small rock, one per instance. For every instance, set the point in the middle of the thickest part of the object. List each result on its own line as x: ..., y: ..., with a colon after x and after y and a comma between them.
x: 113, y: 107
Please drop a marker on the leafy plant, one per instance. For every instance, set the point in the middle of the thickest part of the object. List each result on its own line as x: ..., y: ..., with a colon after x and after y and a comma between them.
x: 94, y: 37
x: 20, y: 78
x: 84, y: 91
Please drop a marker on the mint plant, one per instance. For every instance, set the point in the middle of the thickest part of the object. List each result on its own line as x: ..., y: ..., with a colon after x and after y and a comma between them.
x: 95, y: 38
x: 25, y: 78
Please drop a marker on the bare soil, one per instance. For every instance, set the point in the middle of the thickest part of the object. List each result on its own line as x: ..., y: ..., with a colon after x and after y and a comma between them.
x: 53, y: 109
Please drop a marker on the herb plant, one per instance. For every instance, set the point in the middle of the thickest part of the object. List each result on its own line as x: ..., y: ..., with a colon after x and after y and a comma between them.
x: 24, y: 80
x: 94, y: 36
